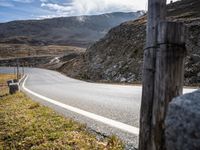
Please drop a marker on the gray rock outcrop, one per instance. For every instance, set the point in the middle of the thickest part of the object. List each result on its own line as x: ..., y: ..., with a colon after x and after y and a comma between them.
x: 118, y: 56
x: 183, y: 123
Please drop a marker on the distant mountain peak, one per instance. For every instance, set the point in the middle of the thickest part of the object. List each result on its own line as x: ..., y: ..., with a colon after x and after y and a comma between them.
x: 75, y: 31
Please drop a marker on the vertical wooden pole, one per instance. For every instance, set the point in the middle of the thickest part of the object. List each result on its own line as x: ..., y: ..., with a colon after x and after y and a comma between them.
x: 23, y: 68
x: 170, y: 56
x: 156, y: 13
x: 17, y: 69
x: 14, y: 70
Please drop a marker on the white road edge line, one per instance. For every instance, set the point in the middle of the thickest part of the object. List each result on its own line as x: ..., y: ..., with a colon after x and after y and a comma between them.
x: 110, y: 122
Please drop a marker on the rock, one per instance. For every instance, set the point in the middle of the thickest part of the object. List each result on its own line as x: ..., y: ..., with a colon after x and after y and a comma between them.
x: 131, y: 77
x: 198, y: 74
x: 15, y: 80
x: 182, y: 123
x: 195, y: 58
x: 9, y: 82
x: 13, y: 88
x: 123, y: 79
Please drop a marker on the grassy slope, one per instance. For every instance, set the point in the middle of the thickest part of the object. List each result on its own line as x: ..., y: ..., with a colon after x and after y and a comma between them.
x: 25, y: 124
x: 24, y: 50
x: 5, y: 77
x: 3, y: 83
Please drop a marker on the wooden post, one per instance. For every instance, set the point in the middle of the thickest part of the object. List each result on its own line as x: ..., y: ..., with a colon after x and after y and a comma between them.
x: 170, y: 56
x: 23, y: 69
x: 14, y: 70
x: 17, y: 68
x: 162, y: 74
x: 156, y: 13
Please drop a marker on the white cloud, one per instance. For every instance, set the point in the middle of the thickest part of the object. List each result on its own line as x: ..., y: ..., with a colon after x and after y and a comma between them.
x: 45, y: 17
x: 101, y: 6
x: 88, y: 7
x: 56, y: 7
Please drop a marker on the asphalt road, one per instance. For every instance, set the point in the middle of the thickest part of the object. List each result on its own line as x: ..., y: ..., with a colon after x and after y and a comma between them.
x: 115, y: 102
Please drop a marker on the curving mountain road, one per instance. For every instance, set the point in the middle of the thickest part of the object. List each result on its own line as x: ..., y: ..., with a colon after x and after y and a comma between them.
x: 105, y: 108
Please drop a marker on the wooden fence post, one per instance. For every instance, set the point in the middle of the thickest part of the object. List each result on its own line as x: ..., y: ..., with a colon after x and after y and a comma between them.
x: 156, y: 13
x: 162, y: 74
x: 170, y: 56
x: 18, y: 73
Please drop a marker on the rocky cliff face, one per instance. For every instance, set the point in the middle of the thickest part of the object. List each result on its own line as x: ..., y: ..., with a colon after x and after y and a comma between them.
x: 118, y: 56
x: 182, y: 123
x: 192, y: 65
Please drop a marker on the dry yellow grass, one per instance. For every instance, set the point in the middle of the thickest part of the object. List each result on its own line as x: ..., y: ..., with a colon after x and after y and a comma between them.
x: 24, y: 50
x: 25, y: 124
x: 3, y: 83
x: 5, y: 77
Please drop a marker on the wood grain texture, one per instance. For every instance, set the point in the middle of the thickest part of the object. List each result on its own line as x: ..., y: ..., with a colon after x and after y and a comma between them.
x: 156, y: 13
x: 168, y: 76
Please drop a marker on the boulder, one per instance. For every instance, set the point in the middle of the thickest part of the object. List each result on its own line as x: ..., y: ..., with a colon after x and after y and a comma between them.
x: 183, y: 123
x: 195, y: 58
x: 15, y: 80
x: 13, y: 88
x: 9, y: 82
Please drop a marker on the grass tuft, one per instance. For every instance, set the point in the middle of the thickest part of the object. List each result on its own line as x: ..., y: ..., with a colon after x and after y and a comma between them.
x: 3, y: 83
x: 34, y: 106
x: 25, y: 124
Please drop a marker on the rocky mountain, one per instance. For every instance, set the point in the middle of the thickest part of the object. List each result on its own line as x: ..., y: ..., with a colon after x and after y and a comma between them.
x: 73, y: 31
x: 118, y: 57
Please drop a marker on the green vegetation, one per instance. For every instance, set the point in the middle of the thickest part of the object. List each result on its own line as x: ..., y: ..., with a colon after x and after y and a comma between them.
x: 25, y: 124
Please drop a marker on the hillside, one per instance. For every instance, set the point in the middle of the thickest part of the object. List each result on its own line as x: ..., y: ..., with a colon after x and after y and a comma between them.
x: 73, y: 31
x: 117, y: 57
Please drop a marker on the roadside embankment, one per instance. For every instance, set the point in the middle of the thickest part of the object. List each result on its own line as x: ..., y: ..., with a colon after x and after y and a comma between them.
x: 25, y: 124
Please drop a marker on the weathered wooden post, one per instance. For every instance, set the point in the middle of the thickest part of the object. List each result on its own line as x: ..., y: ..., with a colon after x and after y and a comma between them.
x: 18, y: 73
x: 156, y: 13
x: 14, y: 70
x: 170, y: 56
x: 23, y: 68
x: 162, y: 75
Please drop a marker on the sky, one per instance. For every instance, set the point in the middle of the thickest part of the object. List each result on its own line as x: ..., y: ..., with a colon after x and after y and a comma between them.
x: 40, y: 9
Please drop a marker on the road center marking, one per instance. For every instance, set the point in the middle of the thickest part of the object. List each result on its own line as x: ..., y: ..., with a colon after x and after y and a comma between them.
x: 110, y: 122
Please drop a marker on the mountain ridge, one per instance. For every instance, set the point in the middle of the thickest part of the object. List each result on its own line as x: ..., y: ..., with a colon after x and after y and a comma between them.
x: 118, y: 56
x: 73, y: 31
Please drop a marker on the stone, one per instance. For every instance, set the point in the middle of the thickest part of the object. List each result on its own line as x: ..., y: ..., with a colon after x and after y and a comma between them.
x: 15, y: 80
x: 183, y: 123
x: 195, y: 58
x: 123, y: 79
x: 13, y: 88
x: 198, y: 74
x: 9, y: 82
